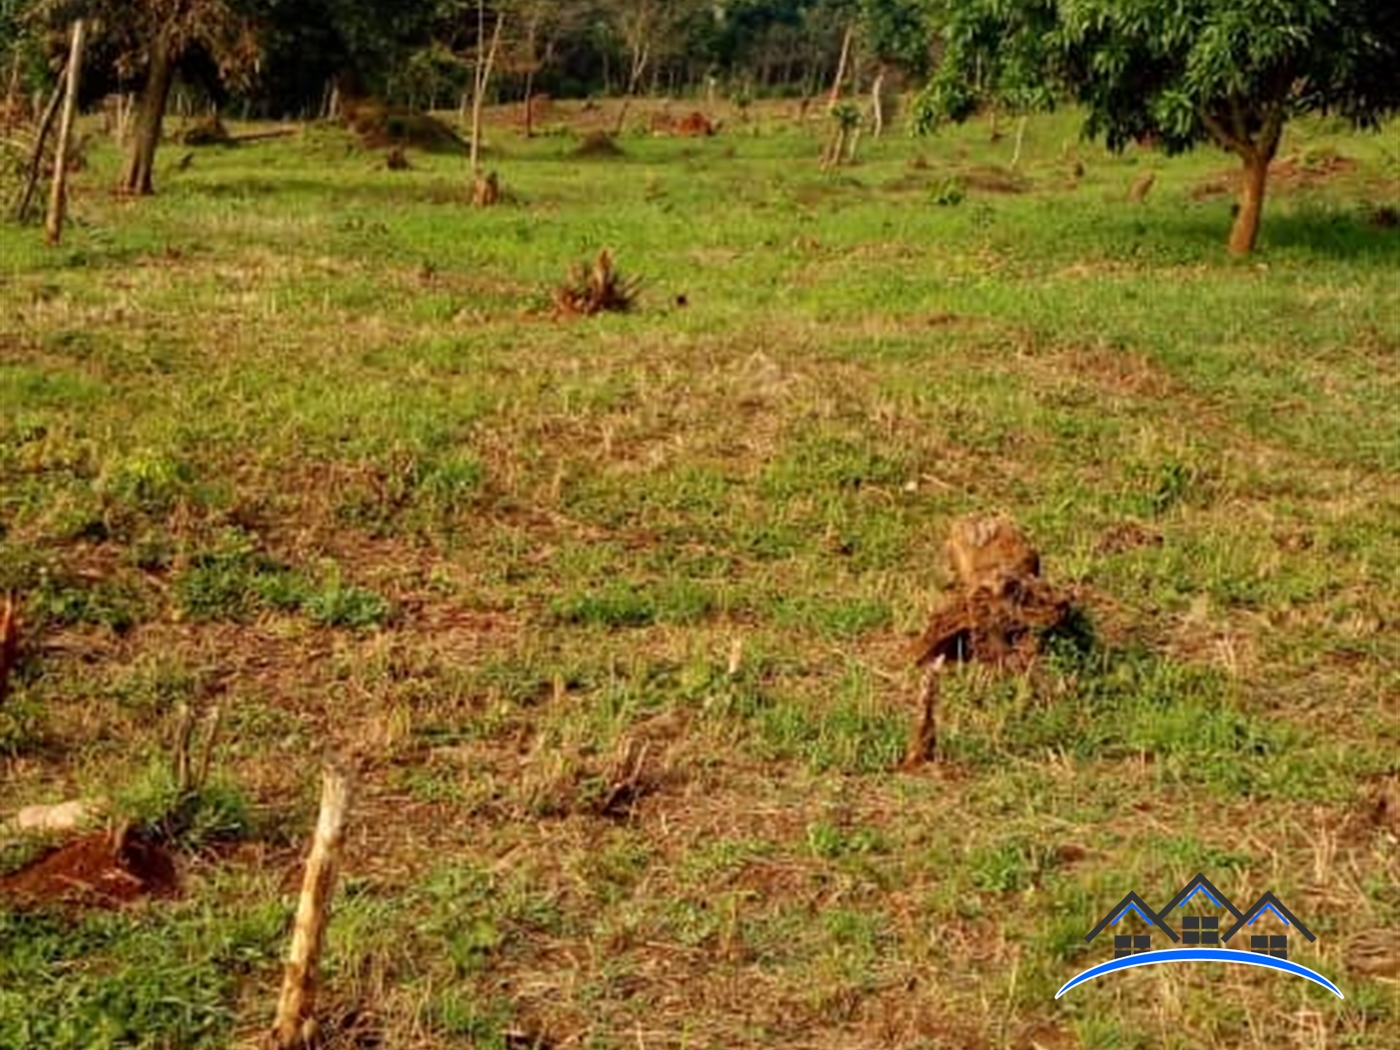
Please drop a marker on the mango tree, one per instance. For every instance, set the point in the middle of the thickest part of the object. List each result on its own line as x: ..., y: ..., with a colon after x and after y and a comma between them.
x: 1182, y: 72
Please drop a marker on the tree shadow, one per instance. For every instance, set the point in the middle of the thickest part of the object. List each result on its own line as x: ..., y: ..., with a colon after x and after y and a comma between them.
x: 1360, y: 231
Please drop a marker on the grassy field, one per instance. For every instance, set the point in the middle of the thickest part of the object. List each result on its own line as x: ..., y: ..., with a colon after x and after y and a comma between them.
x: 299, y: 437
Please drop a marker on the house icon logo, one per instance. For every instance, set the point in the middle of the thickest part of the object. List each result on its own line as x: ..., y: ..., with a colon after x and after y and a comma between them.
x: 1214, y: 930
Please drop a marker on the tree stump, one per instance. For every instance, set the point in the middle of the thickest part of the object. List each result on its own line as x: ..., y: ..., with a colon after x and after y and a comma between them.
x: 1141, y: 187
x: 486, y: 190
x: 993, y: 613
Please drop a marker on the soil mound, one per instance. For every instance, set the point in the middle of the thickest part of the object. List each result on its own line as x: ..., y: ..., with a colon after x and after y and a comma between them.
x: 598, y: 144
x: 381, y: 127
x: 207, y: 131
x: 97, y: 870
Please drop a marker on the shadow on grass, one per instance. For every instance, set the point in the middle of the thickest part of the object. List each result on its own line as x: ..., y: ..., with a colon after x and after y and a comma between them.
x: 1349, y: 233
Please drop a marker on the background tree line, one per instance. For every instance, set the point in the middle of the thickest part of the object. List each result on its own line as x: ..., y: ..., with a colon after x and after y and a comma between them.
x: 1174, y: 73
x: 277, y: 58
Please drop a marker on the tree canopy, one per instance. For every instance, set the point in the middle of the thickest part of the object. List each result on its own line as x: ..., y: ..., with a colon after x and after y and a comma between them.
x: 1180, y: 72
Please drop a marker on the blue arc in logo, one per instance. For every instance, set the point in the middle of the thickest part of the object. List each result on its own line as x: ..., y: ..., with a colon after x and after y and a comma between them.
x: 1166, y: 955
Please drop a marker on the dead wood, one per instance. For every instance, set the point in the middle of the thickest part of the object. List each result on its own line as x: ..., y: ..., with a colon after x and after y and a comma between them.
x: 296, y: 1021
x: 923, y: 745
x: 625, y: 781
x: 9, y: 643
x: 258, y: 136
x: 996, y: 611
x: 486, y: 190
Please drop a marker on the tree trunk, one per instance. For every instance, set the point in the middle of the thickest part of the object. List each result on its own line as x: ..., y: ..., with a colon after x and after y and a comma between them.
x: 641, y: 51
x: 481, y: 78
x: 1245, y: 231
x: 150, y: 112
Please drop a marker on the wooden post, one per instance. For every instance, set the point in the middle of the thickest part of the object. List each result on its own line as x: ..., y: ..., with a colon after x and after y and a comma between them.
x: 296, y: 1023
x: 58, y: 197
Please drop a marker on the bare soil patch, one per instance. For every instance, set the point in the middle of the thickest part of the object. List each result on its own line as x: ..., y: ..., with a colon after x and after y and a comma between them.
x: 100, y: 870
x: 988, y: 178
x: 1294, y: 172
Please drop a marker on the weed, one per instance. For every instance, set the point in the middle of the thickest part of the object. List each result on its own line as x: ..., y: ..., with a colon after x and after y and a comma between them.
x: 337, y: 604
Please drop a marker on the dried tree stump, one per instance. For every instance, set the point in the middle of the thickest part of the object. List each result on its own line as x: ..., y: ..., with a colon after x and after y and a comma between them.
x: 295, y: 1027
x: 996, y: 605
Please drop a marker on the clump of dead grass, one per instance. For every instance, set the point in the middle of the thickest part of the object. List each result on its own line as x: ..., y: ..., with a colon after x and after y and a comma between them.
x: 596, y: 289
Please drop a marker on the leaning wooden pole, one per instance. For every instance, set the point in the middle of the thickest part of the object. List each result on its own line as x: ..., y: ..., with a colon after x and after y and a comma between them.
x: 296, y: 1023
x: 36, y: 158
x: 58, y: 196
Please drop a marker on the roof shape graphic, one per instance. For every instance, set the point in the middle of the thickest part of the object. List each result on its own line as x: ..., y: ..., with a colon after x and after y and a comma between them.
x: 1200, y: 884
x: 1135, y: 903
x: 1268, y: 902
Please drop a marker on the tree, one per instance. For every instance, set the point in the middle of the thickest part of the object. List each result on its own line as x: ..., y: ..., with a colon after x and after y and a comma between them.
x: 649, y: 31
x: 1183, y: 72
x: 150, y: 39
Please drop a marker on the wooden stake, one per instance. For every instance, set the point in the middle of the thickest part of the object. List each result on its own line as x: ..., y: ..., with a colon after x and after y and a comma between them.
x: 58, y: 197
x: 296, y: 1023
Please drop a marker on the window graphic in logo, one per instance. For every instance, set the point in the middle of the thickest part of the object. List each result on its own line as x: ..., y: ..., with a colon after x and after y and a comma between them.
x: 1212, y: 930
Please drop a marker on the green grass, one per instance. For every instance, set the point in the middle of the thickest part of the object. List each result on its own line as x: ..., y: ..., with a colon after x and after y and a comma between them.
x: 299, y: 437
